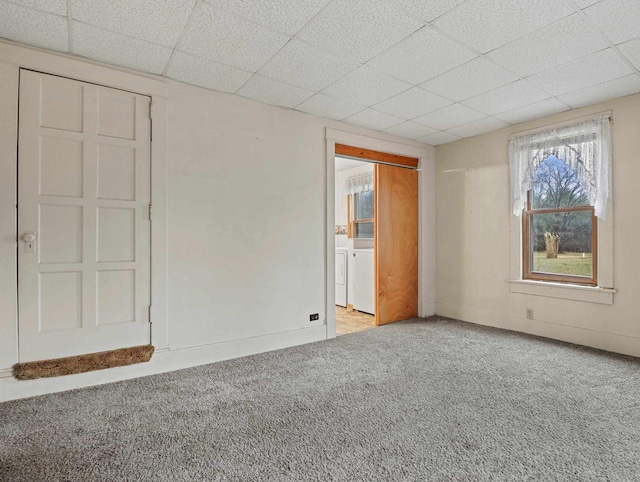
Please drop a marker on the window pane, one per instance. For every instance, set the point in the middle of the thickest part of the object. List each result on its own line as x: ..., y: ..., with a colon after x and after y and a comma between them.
x: 561, y: 243
x: 555, y: 185
x: 365, y: 205
x: 364, y: 230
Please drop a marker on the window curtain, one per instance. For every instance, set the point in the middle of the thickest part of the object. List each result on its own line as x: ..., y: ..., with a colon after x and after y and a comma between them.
x: 360, y: 183
x: 585, y: 147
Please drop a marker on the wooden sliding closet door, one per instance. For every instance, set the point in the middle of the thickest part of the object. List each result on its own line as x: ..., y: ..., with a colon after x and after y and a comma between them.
x: 396, y: 243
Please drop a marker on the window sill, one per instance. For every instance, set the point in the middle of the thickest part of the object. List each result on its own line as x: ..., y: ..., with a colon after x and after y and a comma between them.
x: 589, y: 294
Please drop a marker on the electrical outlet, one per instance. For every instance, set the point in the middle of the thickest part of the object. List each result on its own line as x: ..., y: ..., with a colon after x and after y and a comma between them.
x: 314, y: 317
x: 529, y: 313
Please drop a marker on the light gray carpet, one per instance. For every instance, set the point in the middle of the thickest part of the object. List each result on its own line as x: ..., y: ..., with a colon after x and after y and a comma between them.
x: 418, y: 400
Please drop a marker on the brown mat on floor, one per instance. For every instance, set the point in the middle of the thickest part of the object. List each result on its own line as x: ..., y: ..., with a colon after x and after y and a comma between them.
x: 83, y: 363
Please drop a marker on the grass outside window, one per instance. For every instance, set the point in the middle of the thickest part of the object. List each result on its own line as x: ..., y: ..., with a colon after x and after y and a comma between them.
x: 559, y: 228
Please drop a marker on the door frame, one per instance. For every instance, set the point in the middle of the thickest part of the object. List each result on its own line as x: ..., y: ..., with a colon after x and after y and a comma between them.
x: 14, y: 57
x: 426, y: 219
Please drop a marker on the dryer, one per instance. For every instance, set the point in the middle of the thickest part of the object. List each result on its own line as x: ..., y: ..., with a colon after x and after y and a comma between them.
x: 363, y: 281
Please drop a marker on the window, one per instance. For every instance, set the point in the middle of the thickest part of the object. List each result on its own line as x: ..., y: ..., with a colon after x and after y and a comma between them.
x: 360, y: 203
x: 363, y: 214
x: 559, y: 227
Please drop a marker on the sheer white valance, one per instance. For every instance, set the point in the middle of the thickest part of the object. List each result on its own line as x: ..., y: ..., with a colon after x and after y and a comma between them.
x: 585, y: 147
x: 360, y: 183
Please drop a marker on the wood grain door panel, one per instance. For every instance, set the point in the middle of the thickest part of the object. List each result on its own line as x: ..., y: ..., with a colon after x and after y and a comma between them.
x: 396, y: 243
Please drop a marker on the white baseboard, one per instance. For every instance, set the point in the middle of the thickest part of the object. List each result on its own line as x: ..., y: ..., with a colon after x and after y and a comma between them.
x: 331, y: 325
x: 6, y: 372
x: 429, y: 309
x: 625, y: 345
x: 164, y: 360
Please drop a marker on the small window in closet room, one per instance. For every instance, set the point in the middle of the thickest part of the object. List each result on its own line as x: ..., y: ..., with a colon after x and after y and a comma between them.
x: 560, y: 187
x: 363, y: 219
x: 362, y: 201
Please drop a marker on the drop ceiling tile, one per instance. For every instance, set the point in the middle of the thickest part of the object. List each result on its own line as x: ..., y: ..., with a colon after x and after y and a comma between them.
x: 59, y: 7
x: 366, y: 86
x: 585, y: 3
x: 451, y: 116
x: 533, y: 111
x: 565, y: 40
x: 301, y: 64
x: 324, y: 106
x: 281, y: 15
x: 412, y: 103
x: 269, y: 91
x: 206, y: 73
x: 372, y: 119
x: 410, y: 130
x: 421, y: 56
x: 488, y: 24
x: 478, y: 127
x: 427, y: 10
x: 631, y: 50
x: 150, y: 20
x: 508, y: 97
x: 217, y: 35
x: 591, y: 70
x: 618, y: 19
x: 473, y: 78
x: 439, y: 138
x: 34, y: 28
x: 113, y: 48
x: 362, y: 28
x: 599, y: 93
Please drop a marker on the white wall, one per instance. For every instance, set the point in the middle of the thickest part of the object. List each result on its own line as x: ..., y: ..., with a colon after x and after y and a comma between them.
x: 473, y: 239
x: 246, y: 211
x: 246, y: 204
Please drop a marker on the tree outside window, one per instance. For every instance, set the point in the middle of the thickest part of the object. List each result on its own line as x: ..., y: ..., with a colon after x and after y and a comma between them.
x: 559, y: 227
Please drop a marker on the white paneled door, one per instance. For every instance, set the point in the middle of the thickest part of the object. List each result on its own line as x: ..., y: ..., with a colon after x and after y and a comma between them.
x: 83, y: 218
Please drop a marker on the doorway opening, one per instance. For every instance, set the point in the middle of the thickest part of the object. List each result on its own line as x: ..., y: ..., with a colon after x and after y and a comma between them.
x: 376, y: 238
x: 355, y: 208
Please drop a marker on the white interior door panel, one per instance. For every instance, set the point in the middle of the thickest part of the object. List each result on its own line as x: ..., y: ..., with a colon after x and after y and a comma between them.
x: 83, y: 203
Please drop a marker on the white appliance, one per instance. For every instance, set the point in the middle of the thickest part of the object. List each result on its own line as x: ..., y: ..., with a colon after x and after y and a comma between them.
x: 341, y: 276
x: 363, y: 281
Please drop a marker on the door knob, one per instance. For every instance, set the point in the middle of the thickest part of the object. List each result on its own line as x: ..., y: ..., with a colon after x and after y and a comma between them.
x: 29, y: 239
